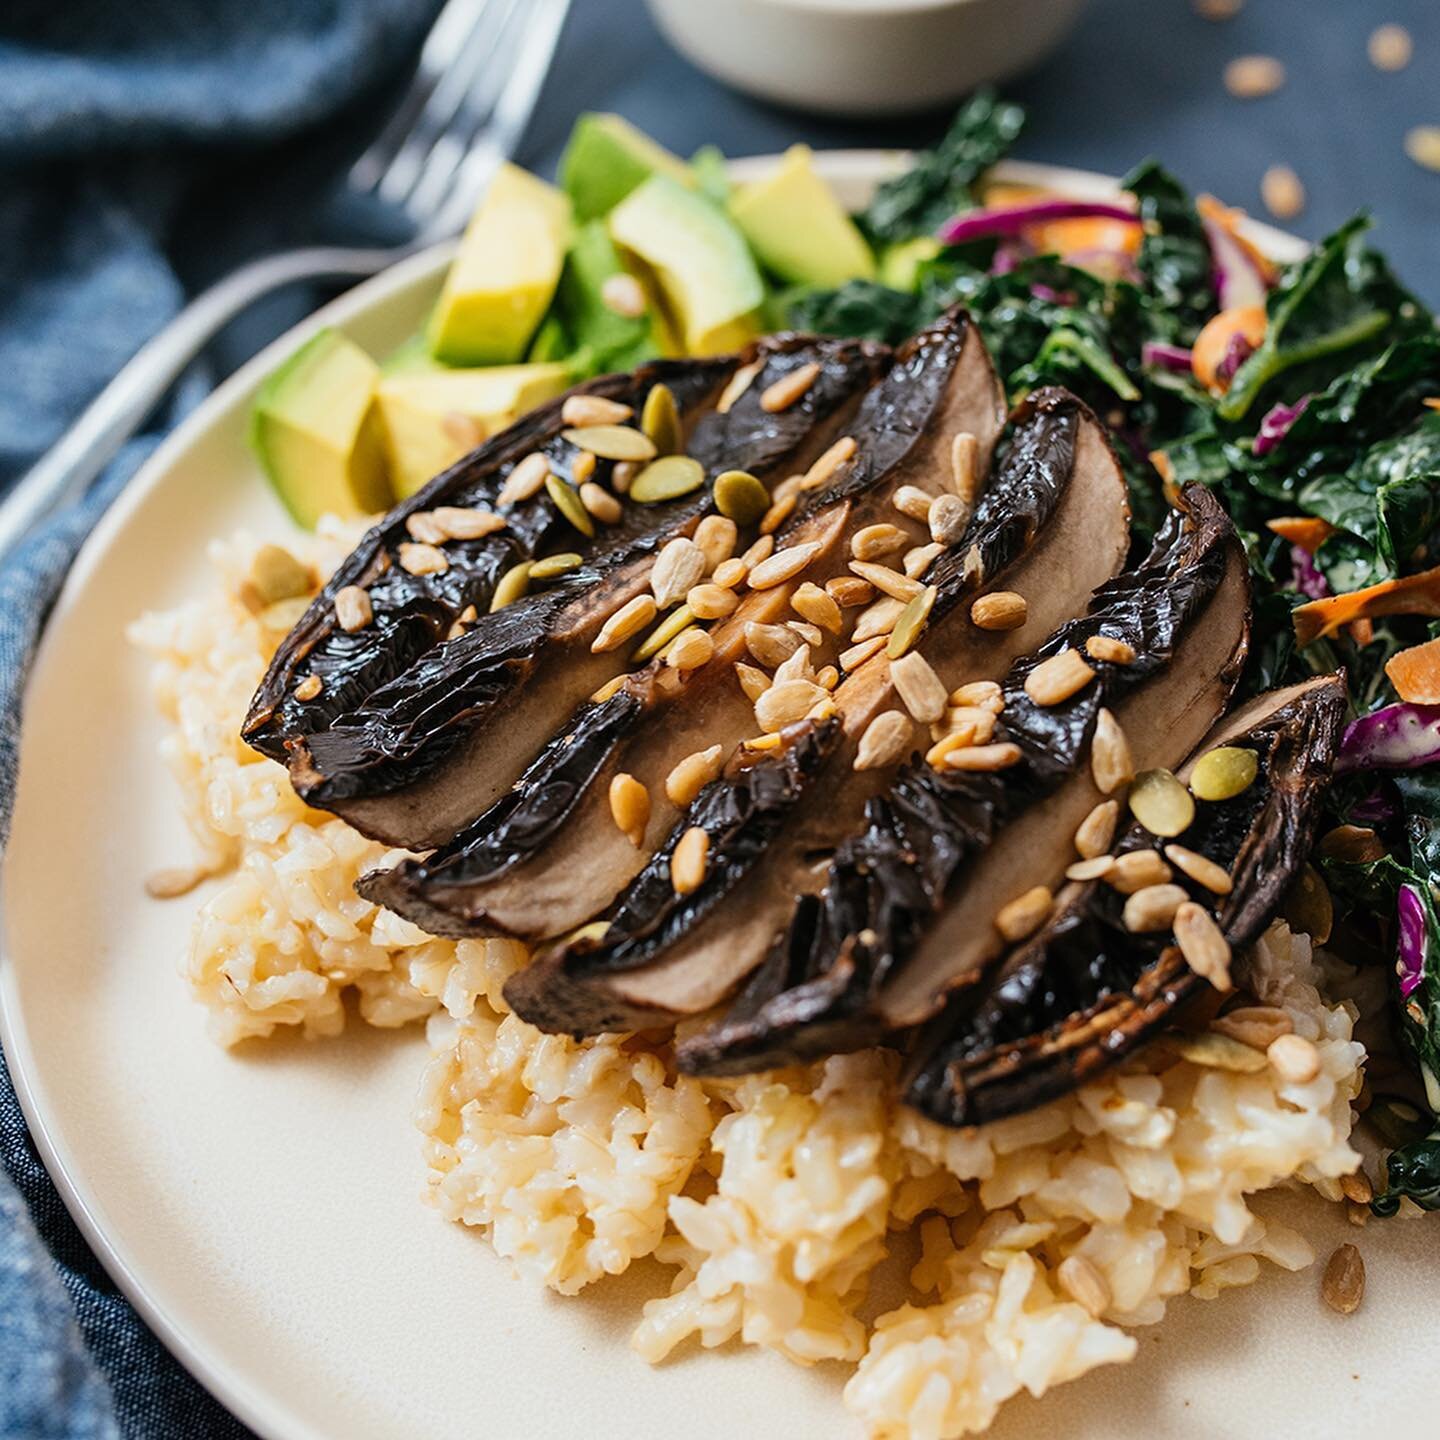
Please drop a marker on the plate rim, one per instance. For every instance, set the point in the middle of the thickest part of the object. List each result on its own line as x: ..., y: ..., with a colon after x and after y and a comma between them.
x: 266, y: 1415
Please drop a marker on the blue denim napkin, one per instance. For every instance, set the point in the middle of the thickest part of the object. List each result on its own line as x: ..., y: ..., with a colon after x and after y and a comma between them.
x: 133, y: 137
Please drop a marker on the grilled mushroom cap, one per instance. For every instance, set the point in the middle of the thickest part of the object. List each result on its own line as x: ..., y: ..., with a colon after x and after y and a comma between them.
x: 1085, y: 992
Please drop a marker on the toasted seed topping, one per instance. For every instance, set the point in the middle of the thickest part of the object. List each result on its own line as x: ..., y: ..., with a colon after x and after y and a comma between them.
x: 422, y: 559
x: 1137, y: 870
x: 568, y: 502
x: 911, y: 500
x: 1109, y: 649
x: 1161, y: 803
x: 1024, y: 915
x: 667, y: 478
x: 525, y: 480
x: 688, y: 861
x: 857, y: 655
x: 612, y: 442
x: 1084, y: 1284
x: 1000, y: 610
x: 692, y: 775
x: 875, y: 542
x: 1351, y: 844
x: 1111, y: 765
x: 810, y: 634
x: 174, y: 881
x: 729, y: 574
x: 716, y: 536
x: 1219, y: 1052
x: 677, y: 620
x: 919, y: 687
x: 624, y: 295
x: 973, y: 720
x: 796, y: 667
x: 583, y: 467
x: 786, y: 702
x: 308, y: 688
x: 1153, y: 908
x: 848, y: 591
x: 949, y: 515
x: 737, y: 385
x: 1096, y: 868
x: 660, y: 420
x: 1223, y: 773
x: 1282, y: 192
x: 587, y: 410
x: 878, y: 618
x: 783, y: 565
x: 740, y: 496
x: 1058, y: 677
x: 1248, y: 77
x: 690, y: 649
x: 353, y: 610
x: 601, y: 503
x: 1294, y: 1059
x: 678, y: 567
x: 984, y: 693
x: 886, y: 741
x: 911, y: 624
x: 823, y: 470
x: 277, y: 575
x: 553, y: 566
x: 282, y: 616
x: 1201, y: 869
x: 891, y: 582
x: 984, y: 757
x: 630, y: 808
x: 752, y: 681
x: 1096, y: 831
x: 511, y: 586
x: 609, y: 688
x: 764, y: 742
x: 463, y: 523
x: 813, y: 604
x: 1254, y: 1025
x: 711, y: 602
x: 1342, y: 1287
x: 917, y: 561
x: 1357, y: 1188
x: 762, y: 549
x: 1206, y: 950
x: 964, y: 466
x: 469, y: 615
x: 771, y: 645
x: 789, y: 388
x: 622, y: 474
x: 778, y: 514
x: 462, y: 429
x: 1390, y: 47
x: 1422, y: 145
x: 628, y: 620
x: 827, y: 677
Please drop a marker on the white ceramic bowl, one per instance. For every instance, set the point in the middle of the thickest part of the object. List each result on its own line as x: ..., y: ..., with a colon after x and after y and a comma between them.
x: 864, y: 57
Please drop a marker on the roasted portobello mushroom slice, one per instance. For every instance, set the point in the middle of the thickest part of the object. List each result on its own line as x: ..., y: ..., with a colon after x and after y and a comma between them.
x: 1053, y: 519
x: 1087, y: 990
x: 548, y: 855
x: 434, y: 747
x: 908, y: 912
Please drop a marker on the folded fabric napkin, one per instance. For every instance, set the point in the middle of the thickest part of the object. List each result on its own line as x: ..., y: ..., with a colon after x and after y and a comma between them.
x: 122, y: 128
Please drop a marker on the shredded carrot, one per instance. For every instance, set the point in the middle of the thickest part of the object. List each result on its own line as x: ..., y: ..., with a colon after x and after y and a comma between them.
x: 1433, y: 401
x: 1309, y: 532
x: 1415, y: 673
x: 1361, y: 632
x: 1085, y: 235
x: 1166, y: 471
x: 1212, y: 344
x: 1412, y: 595
x: 1229, y: 221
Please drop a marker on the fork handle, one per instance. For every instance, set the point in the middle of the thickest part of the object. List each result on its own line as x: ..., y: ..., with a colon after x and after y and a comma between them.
x: 119, y: 410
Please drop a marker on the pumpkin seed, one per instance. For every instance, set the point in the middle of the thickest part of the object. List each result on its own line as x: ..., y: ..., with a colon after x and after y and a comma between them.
x: 1161, y: 803
x: 741, y: 497
x: 611, y: 442
x: 511, y: 586
x: 569, y: 504
x: 1223, y: 773
x: 554, y: 565
x: 660, y: 420
x: 677, y: 620
x: 666, y: 479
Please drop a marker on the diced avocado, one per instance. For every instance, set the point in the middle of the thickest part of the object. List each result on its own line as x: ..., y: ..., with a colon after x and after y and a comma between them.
x: 606, y: 158
x: 317, y: 434
x: 603, y: 338
x: 900, y: 263
x: 711, y: 174
x: 705, y: 274
x: 798, y: 228
x: 504, y: 275
x: 433, y: 417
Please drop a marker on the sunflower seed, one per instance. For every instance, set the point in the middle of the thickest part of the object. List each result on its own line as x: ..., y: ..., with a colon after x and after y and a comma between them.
x: 630, y: 807
x: 353, y: 610
x: 789, y: 388
x: 688, y: 861
x: 692, y: 775
x: 885, y: 742
x: 679, y: 567
x: 628, y: 620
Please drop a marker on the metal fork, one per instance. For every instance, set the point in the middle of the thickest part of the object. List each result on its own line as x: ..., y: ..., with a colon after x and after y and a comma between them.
x: 479, y: 75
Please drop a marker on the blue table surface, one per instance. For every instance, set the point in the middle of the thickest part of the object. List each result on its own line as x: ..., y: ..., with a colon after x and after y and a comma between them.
x: 1139, y: 77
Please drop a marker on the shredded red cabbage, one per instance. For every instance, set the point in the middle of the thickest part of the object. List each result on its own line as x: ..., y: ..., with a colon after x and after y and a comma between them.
x: 1237, y: 279
x: 1165, y: 356
x: 1410, y: 946
x: 1237, y: 352
x: 1276, y: 425
x: 1306, y: 576
x: 1377, y: 808
x: 1399, y: 737
x: 1012, y: 219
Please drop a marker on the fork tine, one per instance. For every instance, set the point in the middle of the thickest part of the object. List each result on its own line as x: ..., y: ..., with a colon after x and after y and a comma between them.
x: 473, y: 168
x: 457, y: 21
x: 475, y: 60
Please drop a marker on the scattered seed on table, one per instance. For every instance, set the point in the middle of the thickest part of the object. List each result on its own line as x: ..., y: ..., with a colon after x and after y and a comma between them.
x: 1248, y: 77
x: 1342, y: 1287
x: 1422, y: 145
x: 1282, y: 192
x: 1390, y: 47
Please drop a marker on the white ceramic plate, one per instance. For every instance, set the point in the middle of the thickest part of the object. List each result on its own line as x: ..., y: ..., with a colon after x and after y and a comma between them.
x: 262, y: 1208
